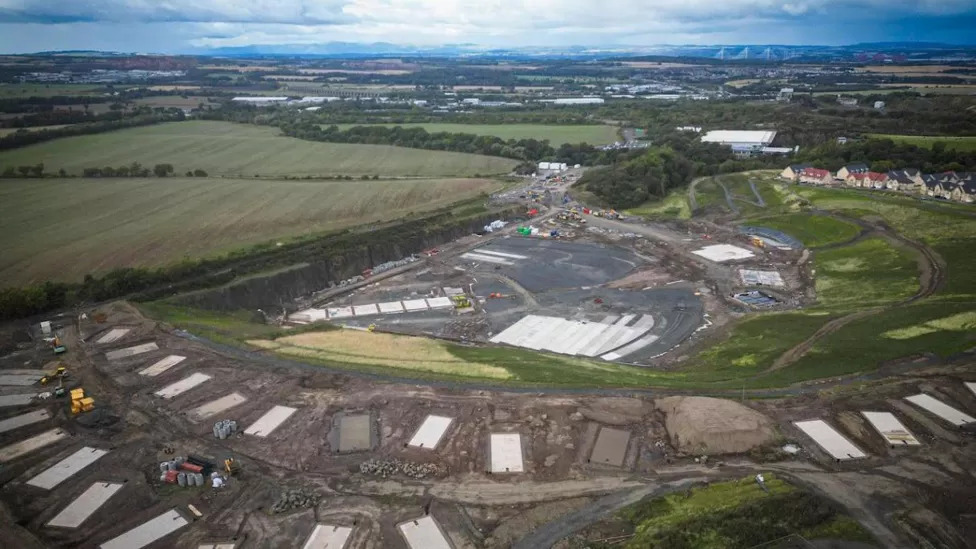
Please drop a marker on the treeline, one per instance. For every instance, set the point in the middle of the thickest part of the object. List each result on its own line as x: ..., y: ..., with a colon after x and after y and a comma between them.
x: 22, y: 139
x: 132, y: 170
x: 630, y: 183
x: 884, y: 154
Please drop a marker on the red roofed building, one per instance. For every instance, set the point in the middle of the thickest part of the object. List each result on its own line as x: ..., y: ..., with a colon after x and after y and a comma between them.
x: 816, y: 176
x: 876, y: 180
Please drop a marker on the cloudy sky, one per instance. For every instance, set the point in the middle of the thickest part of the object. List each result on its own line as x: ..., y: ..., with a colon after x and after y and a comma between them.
x: 182, y: 26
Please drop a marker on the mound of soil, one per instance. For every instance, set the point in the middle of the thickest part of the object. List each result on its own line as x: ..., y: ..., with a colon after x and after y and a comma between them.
x: 713, y: 425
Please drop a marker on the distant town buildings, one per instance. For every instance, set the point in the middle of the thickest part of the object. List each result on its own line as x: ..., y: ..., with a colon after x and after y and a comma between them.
x: 785, y: 94
x: 957, y: 186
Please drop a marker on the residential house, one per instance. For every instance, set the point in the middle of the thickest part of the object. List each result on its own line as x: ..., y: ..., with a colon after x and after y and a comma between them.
x: 849, y: 169
x: 792, y: 172
x: 876, y: 180
x: 931, y: 185
x: 969, y: 189
x: 816, y: 176
x: 856, y: 180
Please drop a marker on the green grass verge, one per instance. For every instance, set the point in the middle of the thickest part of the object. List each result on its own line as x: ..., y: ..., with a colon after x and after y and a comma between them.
x: 811, y: 229
x: 224, y: 148
x: 555, y: 134
x: 733, y: 514
x: 673, y: 206
x: 867, y: 273
x: 967, y: 143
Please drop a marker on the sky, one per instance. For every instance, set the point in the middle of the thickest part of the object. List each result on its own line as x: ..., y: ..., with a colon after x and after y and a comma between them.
x: 194, y: 26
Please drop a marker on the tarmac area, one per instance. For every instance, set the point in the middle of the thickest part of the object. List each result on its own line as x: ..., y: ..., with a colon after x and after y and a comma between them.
x: 583, y: 454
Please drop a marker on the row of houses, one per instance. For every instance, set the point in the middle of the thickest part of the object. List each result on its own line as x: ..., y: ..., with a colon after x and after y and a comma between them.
x: 959, y: 186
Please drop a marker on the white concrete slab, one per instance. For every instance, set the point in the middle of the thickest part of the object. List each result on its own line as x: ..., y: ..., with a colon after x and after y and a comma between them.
x: 830, y: 440
x: 972, y: 386
x: 506, y: 453
x: 224, y: 545
x: 22, y: 380
x: 430, y: 432
x: 270, y: 421
x: 391, y: 307
x: 310, y: 315
x: 23, y: 420
x: 625, y: 335
x: 609, y: 319
x: 631, y: 348
x: 596, y: 344
x: 131, y: 351
x: 148, y: 532
x: 485, y: 258
x: 162, y: 365
x: 22, y: 399
x: 440, y: 303
x: 340, y: 312
x: 114, y: 334
x: 326, y: 536
x: 64, y: 469
x: 501, y: 254
x: 940, y: 409
x: 17, y: 449
x: 424, y: 533
x: 217, y: 406
x: 723, y: 252
x: 85, y: 505
x: 175, y: 389
x: 597, y: 329
x: 415, y: 304
x: 451, y: 291
x: 761, y: 278
x: 891, y: 429
x: 625, y: 320
x: 365, y: 310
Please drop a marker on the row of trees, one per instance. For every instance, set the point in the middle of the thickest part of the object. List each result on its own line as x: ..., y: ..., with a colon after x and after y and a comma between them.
x: 132, y: 170
x: 22, y: 139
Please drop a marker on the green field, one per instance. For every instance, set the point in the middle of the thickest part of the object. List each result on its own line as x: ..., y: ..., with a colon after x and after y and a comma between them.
x: 926, y: 141
x: 867, y: 273
x: 21, y: 91
x: 810, y: 229
x: 223, y: 148
x: 557, y: 135
x: 7, y: 131
x: 62, y: 229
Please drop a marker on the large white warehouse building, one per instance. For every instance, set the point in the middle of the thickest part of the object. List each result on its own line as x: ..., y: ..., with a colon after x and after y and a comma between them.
x: 736, y: 138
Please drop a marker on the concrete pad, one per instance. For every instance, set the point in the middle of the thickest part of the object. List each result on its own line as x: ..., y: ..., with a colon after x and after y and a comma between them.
x: 506, y: 453
x: 309, y: 315
x: 217, y: 406
x: 720, y: 253
x: 64, y: 469
x: 218, y: 545
x: 761, y: 278
x: 473, y: 256
x: 609, y: 319
x: 17, y: 449
x: 22, y: 380
x: 355, y: 433
x: 415, y: 304
x: 365, y: 310
x: 830, y: 440
x: 326, y: 536
x: 595, y: 345
x: 972, y: 386
x: 440, y: 303
x: 148, y: 532
x: 891, y: 429
x: 631, y: 348
x: 611, y: 447
x: 424, y: 533
x: 162, y: 365
x: 625, y: 320
x: 391, y: 307
x: 113, y: 335
x: 270, y: 421
x: 340, y: 312
x: 16, y: 400
x: 500, y: 254
x: 23, y: 420
x: 85, y: 505
x: 430, y: 432
x: 175, y: 389
x: 583, y: 342
x: 131, y: 351
x: 941, y: 409
x: 451, y: 292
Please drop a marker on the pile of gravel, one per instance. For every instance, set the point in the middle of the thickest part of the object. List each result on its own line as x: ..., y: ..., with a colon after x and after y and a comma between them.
x: 301, y: 498
x: 389, y: 468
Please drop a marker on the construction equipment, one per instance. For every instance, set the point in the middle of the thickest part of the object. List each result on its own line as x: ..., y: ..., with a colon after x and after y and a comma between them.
x: 758, y: 242
x: 60, y: 373
x: 58, y: 346
x: 371, y: 328
x: 231, y: 467
x: 461, y: 302
x: 79, y: 402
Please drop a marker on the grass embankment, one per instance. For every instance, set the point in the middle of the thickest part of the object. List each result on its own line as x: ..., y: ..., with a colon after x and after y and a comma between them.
x: 727, y: 515
x: 867, y: 273
x: 223, y: 148
x: 82, y: 226
x: 555, y: 134
x: 967, y: 143
x: 812, y: 230
x: 674, y: 206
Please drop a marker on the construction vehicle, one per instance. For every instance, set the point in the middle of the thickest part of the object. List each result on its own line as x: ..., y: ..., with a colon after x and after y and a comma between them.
x: 79, y: 402
x: 461, y: 302
x: 231, y: 467
x: 58, y: 346
x: 758, y: 242
x: 371, y: 328
x: 60, y: 373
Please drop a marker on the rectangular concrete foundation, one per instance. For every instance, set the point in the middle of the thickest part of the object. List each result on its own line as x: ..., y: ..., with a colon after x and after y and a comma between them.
x: 16, y: 400
x: 474, y: 256
x: 500, y: 254
x: 424, y: 533
x: 17, y: 449
x: 830, y: 440
x: 611, y: 447
x: 22, y: 420
x: 270, y: 421
x: 723, y: 252
x: 326, y: 536
x: 22, y: 380
x: 391, y: 307
x: 85, y: 506
x: 182, y: 386
x: 113, y: 335
x: 218, y: 545
x: 131, y: 351
x: 506, y: 453
x: 890, y: 428
x: 940, y: 409
x: 761, y: 278
x: 354, y: 433
x: 215, y: 407
x: 972, y: 387
x: 148, y: 532
x: 67, y: 467
x: 430, y: 432
x: 365, y: 310
x: 162, y: 365
x: 440, y: 303
x: 415, y: 305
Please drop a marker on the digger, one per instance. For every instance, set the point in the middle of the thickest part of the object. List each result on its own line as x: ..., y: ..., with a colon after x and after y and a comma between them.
x: 60, y: 373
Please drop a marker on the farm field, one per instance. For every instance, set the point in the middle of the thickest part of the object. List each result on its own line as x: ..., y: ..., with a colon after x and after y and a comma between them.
x: 967, y: 143
x: 557, y: 135
x: 223, y: 148
x: 11, y: 91
x: 81, y: 226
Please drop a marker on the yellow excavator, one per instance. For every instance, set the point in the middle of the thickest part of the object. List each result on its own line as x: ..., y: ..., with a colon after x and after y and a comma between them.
x: 461, y: 302
x: 60, y: 373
